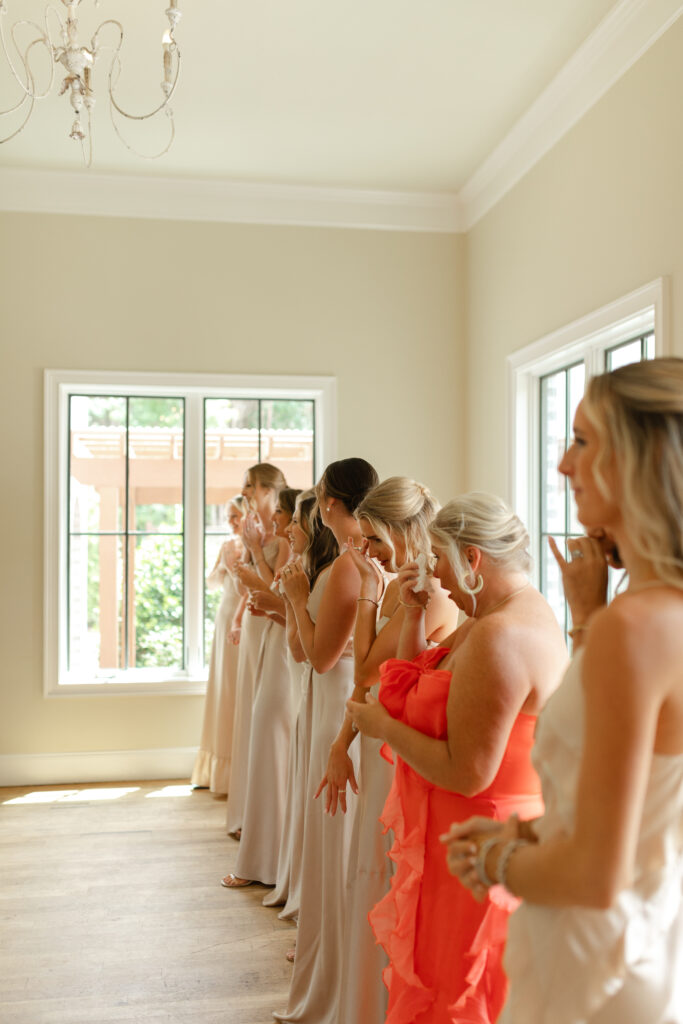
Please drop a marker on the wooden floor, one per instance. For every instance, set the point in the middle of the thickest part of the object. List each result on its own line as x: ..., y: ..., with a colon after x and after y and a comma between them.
x: 111, y: 910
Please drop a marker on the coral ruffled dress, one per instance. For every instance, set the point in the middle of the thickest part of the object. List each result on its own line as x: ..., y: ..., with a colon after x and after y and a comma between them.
x: 445, y: 949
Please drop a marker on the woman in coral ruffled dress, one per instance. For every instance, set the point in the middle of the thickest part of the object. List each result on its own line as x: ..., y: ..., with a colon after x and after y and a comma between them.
x: 460, y: 717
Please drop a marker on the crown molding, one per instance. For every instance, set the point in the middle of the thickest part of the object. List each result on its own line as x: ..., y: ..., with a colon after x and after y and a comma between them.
x: 24, y: 191
x: 621, y: 38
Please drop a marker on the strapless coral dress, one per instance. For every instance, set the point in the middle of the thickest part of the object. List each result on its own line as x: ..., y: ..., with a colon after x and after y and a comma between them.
x: 445, y: 949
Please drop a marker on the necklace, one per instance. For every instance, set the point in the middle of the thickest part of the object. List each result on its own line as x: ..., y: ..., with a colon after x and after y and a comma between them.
x: 505, y: 600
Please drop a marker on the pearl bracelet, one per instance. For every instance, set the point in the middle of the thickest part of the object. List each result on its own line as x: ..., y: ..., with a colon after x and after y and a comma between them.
x: 480, y: 862
x: 504, y: 860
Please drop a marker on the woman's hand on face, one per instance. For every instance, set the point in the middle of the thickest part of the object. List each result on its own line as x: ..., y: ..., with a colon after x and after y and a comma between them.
x: 369, y: 718
x: 584, y: 576
x: 252, y: 534
x: 295, y: 582
x: 408, y: 576
x: 338, y: 773
x: 370, y: 573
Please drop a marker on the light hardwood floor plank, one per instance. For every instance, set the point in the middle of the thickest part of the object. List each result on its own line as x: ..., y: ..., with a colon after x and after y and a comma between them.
x: 111, y: 911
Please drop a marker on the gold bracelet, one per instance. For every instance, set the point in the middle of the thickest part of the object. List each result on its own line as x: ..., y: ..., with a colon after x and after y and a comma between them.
x: 406, y: 605
x: 576, y: 629
x: 370, y: 599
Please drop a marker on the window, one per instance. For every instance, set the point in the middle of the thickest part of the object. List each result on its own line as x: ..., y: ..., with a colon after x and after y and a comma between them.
x: 547, y: 381
x: 138, y: 469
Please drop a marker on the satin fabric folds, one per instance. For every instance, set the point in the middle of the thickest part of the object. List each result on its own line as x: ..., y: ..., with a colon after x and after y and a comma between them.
x: 445, y: 949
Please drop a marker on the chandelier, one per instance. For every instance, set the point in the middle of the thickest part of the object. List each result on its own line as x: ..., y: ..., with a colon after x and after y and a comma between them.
x: 59, y: 38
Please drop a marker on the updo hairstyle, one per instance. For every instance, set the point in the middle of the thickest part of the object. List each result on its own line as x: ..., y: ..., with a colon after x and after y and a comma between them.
x: 267, y: 475
x: 347, y: 480
x: 485, y: 522
x: 322, y: 548
x: 287, y: 499
x: 637, y: 412
x: 400, y: 507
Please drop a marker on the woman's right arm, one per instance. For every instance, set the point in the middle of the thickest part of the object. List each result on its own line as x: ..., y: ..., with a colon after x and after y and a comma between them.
x: 325, y: 639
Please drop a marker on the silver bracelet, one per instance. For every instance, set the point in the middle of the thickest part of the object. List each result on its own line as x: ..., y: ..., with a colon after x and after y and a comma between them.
x: 504, y: 860
x: 480, y: 862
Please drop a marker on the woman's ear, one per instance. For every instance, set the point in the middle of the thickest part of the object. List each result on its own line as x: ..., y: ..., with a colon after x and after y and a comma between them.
x: 473, y: 556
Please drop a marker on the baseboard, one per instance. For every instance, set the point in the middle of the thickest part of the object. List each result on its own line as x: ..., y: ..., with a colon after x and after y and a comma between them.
x: 96, y: 766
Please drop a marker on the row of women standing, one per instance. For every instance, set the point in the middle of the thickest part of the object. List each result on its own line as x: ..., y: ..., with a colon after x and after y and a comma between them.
x: 349, y: 629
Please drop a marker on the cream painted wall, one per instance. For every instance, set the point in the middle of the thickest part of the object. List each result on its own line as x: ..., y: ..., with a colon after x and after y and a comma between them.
x: 599, y: 216
x: 383, y: 312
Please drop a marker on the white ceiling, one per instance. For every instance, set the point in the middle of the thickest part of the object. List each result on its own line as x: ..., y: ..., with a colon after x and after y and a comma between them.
x: 400, y: 95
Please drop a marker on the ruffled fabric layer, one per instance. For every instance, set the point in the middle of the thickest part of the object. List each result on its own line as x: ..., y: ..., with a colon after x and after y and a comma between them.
x: 413, y: 810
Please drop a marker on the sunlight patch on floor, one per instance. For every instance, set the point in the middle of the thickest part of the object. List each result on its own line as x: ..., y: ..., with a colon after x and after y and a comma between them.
x: 64, y: 796
x: 171, y: 791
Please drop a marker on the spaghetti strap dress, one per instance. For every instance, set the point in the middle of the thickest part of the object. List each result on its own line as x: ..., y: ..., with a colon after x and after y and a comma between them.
x: 445, y: 949
x: 316, y: 982
x: 623, y: 965
x: 212, y: 764
x: 271, y: 726
x: 287, y: 889
x: 363, y: 993
x: 253, y: 628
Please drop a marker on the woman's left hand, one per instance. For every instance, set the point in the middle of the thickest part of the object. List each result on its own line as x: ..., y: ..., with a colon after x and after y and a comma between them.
x: 295, y: 583
x: 248, y: 578
x: 463, y: 841
x: 369, y: 718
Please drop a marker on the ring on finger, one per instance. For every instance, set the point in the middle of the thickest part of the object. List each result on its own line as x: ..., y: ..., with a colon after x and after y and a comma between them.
x: 576, y: 553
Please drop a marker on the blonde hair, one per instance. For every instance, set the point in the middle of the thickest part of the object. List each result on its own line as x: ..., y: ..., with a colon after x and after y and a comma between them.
x: 400, y: 507
x: 267, y: 475
x: 637, y: 412
x: 482, y: 521
x: 240, y: 503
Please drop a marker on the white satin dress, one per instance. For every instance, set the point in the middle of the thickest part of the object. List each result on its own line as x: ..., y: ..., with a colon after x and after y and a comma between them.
x: 271, y: 727
x: 253, y: 628
x: 364, y: 996
x: 212, y: 764
x: 624, y: 965
x: 287, y: 891
x: 316, y: 982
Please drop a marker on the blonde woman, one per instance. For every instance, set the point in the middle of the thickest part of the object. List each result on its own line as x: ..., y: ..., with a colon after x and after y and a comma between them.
x: 325, y: 618
x: 266, y: 553
x: 212, y: 764
x: 460, y: 719
x: 394, y: 519
x: 599, y: 935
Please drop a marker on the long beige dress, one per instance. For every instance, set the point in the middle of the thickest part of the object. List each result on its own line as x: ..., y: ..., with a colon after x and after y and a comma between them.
x: 287, y: 889
x: 212, y: 764
x: 623, y: 965
x: 316, y: 982
x: 271, y: 726
x: 253, y: 628
x: 364, y: 996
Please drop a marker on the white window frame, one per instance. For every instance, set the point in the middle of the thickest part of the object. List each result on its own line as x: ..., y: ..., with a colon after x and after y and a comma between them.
x: 639, y: 312
x: 59, y: 385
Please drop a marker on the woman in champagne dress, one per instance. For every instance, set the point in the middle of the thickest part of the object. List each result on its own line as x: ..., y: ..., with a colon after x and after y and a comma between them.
x: 315, y: 544
x: 325, y: 617
x: 212, y: 764
x: 460, y: 719
x: 598, y: 938
x: 266, y: 554
x: 271, y: 723
x: 394, y: 518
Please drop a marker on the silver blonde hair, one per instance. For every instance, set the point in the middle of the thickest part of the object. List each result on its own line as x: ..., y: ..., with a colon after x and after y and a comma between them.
x: 637, y: 412
x: 400, y: 507
x: 482, y: 521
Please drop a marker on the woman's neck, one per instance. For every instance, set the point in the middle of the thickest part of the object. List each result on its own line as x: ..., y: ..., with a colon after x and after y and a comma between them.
x: 639, y: 569
x: 346, y: 526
